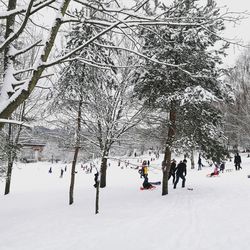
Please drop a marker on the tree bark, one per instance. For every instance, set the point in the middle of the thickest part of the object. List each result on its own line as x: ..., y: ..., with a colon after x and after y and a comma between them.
x: 12, y: 151
x: 103, y: 171
x: 97, y: 197
x: 38, y: 72
x: 192, y: 159
x: 10, y: 162
x: 10, y: 23
x: 72, y: 180
x: 169, y: 143
x: 77, y: 147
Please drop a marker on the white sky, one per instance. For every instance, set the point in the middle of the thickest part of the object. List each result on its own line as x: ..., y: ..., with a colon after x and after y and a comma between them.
x: 241, y: 31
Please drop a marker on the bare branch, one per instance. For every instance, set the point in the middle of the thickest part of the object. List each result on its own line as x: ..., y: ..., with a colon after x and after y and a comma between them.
x: 16, y: 34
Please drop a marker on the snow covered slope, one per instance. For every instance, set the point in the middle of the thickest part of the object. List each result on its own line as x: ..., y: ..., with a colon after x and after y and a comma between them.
x: 36, y: 214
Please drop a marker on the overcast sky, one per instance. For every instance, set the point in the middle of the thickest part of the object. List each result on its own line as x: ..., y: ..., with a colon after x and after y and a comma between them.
x: 241, y: 31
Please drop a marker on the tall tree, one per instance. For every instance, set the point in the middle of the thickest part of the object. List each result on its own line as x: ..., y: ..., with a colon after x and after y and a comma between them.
x: 236, y: 113
x: 194, y: 83
x: 18, y: 84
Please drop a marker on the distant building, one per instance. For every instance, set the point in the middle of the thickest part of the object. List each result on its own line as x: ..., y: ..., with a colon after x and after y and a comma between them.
x: 31, y: 150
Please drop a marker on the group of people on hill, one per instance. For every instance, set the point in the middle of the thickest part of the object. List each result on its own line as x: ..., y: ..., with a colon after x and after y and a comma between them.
x: 177, y: 172
x: 220, y: 167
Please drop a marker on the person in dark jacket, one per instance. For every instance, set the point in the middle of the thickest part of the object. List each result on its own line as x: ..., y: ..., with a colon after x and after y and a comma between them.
x: 199, y: 163
x: 222, y: 167
x: 146, y: 184
x: 181, y: 172
x: 172, y: 170
x: 237, y: 162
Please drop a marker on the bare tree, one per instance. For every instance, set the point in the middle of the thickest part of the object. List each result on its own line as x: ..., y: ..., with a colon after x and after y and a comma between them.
x: 18, y: 84
x: 236, y: 112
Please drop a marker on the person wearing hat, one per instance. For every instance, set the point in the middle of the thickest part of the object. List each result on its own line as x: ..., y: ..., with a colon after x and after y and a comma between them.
x: 172, y: 170
x: 144, y: 169
x: 181, y: 172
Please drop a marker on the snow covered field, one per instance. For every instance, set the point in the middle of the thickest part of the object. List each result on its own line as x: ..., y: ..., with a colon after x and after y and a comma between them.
x: 36, y: 214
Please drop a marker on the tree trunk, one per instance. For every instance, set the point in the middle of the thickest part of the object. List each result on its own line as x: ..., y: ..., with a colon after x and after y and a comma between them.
x: 169, y: 143
x: 103, y: 171
x: 7, y: 111
x: 8, y: 178
x: 10, y: 162
x: 10, y: 24
x: 12, y: 151
x: 77, y: 147
x: 72, y: 181
x: 165, y: 170
x: 192, y: 159
x: 97, y: 197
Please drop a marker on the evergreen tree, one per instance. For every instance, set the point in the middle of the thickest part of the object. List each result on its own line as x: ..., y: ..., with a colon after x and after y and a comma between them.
x: 190, y: 91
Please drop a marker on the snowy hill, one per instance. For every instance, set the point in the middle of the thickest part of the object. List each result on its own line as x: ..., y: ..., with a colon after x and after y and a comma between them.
x: 36, y: 214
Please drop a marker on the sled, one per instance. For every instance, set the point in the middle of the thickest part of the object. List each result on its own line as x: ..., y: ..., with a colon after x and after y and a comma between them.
x: 152, y: 188
x: 155, y: 183
x: 215, y: 175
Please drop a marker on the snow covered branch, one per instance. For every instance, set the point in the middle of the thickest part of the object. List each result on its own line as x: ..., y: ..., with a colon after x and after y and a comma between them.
x: 15, y: 122
x: 15, y: 34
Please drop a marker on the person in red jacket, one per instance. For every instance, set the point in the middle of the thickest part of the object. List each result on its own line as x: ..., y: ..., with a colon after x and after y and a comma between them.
x: 216, y: 170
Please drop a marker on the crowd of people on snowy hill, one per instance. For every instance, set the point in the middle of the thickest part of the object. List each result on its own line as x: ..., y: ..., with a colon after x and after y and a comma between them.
x: 176, y: 172
x: 220, y: 167
x: 179, y: 171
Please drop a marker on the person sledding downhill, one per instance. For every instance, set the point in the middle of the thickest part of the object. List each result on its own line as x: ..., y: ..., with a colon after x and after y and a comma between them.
x: 215, y: 172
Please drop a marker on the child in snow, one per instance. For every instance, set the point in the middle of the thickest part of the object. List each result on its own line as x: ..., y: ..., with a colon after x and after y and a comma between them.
x: 222, y: 167
x: 172, y: 170
x: 144, y: 169
x: 216, y: 170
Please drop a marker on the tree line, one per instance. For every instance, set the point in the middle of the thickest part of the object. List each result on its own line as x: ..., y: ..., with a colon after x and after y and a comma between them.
x: 102, y: 69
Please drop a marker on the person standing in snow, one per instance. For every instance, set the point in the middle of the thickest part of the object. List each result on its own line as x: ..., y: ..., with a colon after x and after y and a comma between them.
x: 199, y: 163
x: 172, y: 170
x: 222, y: 167
x: 181, y: 172
x: 237, y: 162
x: 61, y: 174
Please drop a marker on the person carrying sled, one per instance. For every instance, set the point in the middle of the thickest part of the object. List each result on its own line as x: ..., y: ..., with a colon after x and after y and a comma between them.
x: 181, y: 172
x: 237, y: 162
x: 172, y: 170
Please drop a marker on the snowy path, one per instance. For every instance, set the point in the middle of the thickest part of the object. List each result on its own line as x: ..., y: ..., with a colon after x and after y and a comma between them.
x: 36, y: 215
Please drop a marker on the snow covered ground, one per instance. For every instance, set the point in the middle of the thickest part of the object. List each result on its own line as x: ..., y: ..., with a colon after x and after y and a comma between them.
x: 36, y: 214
